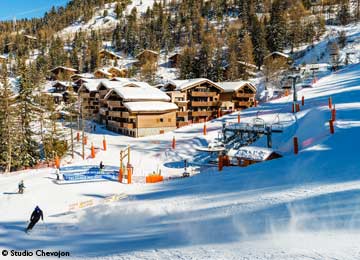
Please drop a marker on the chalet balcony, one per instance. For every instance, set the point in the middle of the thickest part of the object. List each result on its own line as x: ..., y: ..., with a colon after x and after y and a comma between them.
x: 202, y: 113
x: 129, y: 125
x: 203, y: 94
x: 244, y: 95
x: 182, y: 113
x: 181, y: 103
x: 115, y: 113
x: 114, y: 124
x: 244, y: 104
x: 84, y: 95
x: 114, y: 103
x: 205, y: 104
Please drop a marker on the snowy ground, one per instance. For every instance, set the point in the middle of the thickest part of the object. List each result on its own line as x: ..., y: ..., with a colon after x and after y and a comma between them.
x: 297, y: 207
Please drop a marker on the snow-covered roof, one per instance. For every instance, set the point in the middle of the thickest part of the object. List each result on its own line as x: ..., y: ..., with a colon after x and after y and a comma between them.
x: 234, y: 86
x: 3, y: 57
x: 134, y: 91
x: 189, y: 83
x: 63, y: 83
x: 64, y: 68
x: 247, y: 64
x: 83, y: 75
x: 251, y: 153
x: 277, y: 53
x: 91, y: 84
x: 111, y: 53
x: 103, y: 71
x: 141, y: 53
x: 150, y: 106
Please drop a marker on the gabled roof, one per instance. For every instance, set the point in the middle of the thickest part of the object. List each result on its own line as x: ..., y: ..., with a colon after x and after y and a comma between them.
x: 150, y: 106
x: 62, y: 83
x: 83, y: 75
x: 111, y: 53
x: 253, y: 153
x: 277, y: 53
x: 63, y: 68
x: 103, y: 71
x: 183, y: 85
x: 91, y: 84
x: 151, y: 51
x: 135, y: 91
x: 246, y: 64
x: 234, y: 86
x: 117, y: 69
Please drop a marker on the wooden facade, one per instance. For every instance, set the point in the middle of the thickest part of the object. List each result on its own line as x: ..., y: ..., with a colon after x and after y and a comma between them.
x: 175, y: 60
x: 89, y: 102
x: 147, y: 56
x: 62, y: 73
x: 108, y: 57
x: 102, y: 74
x: 118, y: 72
x: 237, y: 95
x: 198, y: 100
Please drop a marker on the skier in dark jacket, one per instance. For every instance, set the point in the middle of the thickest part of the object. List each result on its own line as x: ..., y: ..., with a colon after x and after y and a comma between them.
x: 35, y: 217
x: 101, y: 167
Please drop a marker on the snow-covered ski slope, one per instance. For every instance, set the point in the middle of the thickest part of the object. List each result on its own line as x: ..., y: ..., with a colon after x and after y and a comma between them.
x: 297, y: 207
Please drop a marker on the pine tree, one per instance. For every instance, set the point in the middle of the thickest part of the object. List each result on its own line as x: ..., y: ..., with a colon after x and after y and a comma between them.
x: 344, y: 12
x: 259, y: 41
x: 276, y: 30
x: 246, y: 54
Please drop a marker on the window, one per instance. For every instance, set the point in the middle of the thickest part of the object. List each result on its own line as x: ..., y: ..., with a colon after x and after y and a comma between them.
x: 161, y: 120
x: 169, y: 120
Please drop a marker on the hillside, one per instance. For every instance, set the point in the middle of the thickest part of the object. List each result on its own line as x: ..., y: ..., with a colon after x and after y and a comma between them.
x: 297, y: 207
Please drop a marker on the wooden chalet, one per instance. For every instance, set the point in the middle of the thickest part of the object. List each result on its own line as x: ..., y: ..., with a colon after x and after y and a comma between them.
x: 61, y: 73
x: 248, y: 155
x: 76, y: 77
x: 237, y: 95
x: 118, y: 72
x: 88, y: 95
x: 135, y: 108
x: 62, y: 86
x: 108, y: 57
x: 102, y: 74
x: 279, y: 56
x: 147, y: 56
x: 197, y: 99
x: 175, y: 60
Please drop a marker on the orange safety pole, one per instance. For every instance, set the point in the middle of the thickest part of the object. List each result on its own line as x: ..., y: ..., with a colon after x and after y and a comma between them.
x: 78, y: 137
x: 330, y: 102
x: 92, y: 151
x: 296, y: 145
x: 204, y: 129
x: 221, y: 165
x: 303, y: 101
x: 85, y: 140
x: 121, y: 173
x: 173, y: 145
x: 129, y: 173
x: 331, y: 125
x: 333, y: 114
x: 255, y: 103
x: 239, y: 118
x: 297, y: 107
x: 57, y: 162
x: 104, y: 143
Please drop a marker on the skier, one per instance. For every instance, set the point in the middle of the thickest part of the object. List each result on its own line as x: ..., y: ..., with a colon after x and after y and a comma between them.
x: 21, y: 187
x: 35, y: 217
x: 57, y: 172
x: 101, y: 167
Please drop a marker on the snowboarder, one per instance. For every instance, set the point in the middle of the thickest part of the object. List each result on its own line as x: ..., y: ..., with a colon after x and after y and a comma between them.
x: 35, y: 217
x: 101, y: 167
x: 21, y: 187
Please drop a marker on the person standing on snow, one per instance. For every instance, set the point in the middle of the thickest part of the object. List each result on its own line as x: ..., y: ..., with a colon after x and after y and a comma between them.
x: 21, y: 187
x: 101, y: 167
x: 35, y: 217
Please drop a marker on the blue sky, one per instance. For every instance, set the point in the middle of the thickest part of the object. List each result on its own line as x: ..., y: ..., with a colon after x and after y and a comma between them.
x: 26, y: 8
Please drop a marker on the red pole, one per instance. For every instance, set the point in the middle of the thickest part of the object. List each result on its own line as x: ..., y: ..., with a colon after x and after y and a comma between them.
x: 255, y: 103
x: 104, y: 144
x: 333, y: 114
x: 92, y: 151
x: 85, y: 140
x: 297, y: 107
x: 303, y: 101
x: 239, y: 118
x: 296, y: 145
x: 331, y: 125
x: 204, y: 129
x: 330, y: 102
x: 219, y: 113
x: 129, y: 173
x: 220, y: 163
x: 78, y: 137
x: 173, y: 143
